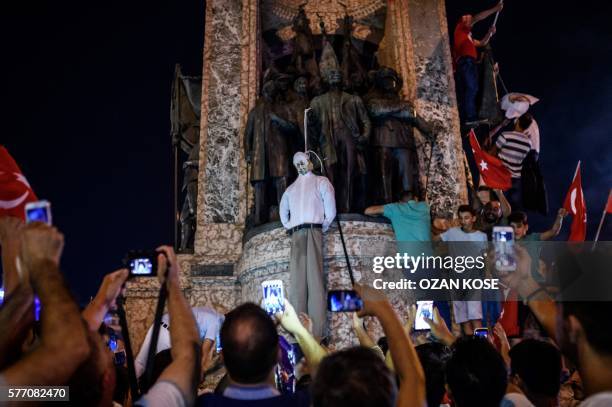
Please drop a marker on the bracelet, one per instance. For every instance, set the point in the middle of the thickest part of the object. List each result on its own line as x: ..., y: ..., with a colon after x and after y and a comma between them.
x: 533, y: 294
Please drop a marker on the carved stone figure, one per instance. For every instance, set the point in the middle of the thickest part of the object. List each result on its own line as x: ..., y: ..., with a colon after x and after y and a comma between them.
x: 185, y: 130
x: 266, y: 143
x: 303, y: 59
x: 393, y: 142
x: 343, y: 128
x: 353, y: 73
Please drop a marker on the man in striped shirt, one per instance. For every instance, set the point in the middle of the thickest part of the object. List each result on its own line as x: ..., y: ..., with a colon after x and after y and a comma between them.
x: 512, y: 147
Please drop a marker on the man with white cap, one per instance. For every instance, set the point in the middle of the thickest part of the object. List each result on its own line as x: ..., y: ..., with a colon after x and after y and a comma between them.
x: 307, y: 208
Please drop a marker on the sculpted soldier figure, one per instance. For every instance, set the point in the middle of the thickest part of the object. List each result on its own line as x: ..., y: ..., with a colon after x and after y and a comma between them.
x: 393, y: 120
x: 190, y: 189
x: 266, y: 144
x: 297, y: 108
x: 185, y: 130
x: 303, y: 58
x: 344, y: 127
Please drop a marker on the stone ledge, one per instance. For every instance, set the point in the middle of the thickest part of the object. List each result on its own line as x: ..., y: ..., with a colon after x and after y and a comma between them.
x: 344, y: 217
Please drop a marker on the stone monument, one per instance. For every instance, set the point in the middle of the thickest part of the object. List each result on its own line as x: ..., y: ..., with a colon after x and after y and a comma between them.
x: 244, y: 37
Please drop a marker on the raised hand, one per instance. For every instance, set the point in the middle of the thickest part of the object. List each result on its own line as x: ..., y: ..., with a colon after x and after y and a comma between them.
x: 289, y: 319
x: 373, y: 300
x: 111, y: 287
x: 439, y: 329
x: 40, y: 243
x: 306, y: 321
x: 167, y: 261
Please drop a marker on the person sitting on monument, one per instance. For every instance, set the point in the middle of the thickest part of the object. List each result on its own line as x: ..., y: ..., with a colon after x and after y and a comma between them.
x: 251, y: 352
x: 307, y: 209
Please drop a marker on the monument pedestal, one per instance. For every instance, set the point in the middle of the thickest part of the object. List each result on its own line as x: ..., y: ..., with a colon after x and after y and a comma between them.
x: 265, y: 257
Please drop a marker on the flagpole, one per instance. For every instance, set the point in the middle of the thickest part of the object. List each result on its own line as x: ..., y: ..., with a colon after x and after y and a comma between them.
x: 496, y: 17
x: 576, y: 172
x: 603, y: 216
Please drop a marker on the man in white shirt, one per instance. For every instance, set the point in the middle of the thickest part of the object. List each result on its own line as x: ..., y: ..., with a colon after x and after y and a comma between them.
x: 307, y: 208
x: 209, y: 322
x: 470, y: 242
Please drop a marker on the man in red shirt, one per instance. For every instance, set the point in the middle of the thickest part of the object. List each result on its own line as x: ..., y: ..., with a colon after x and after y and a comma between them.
x: 465, y: 55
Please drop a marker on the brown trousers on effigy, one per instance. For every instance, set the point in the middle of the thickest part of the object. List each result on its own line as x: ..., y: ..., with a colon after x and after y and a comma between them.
x: 307, y: 287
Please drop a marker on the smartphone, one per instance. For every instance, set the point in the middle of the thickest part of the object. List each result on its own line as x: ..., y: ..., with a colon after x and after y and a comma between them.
x: 39, y: 211
x: 218, y: 346
x: 481, y: 332
x: 343, y: 301
x: 424, y: 310
x: 141, y: 263
x: 273, y: 296
x: 503, y: 241
x: 119, y: 358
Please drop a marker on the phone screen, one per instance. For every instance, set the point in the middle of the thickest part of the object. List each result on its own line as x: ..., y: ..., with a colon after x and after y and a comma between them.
x: 503, y: 238
x: 38, y: 212
x: 481, y: 332
x: 273, y: 296
x: 218, y: 346
x: 344, y: 301
x: 142, y: 266
x: 424, y: 310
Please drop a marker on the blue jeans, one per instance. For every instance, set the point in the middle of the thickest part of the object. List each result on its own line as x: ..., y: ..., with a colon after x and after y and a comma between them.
x: 467, y: 88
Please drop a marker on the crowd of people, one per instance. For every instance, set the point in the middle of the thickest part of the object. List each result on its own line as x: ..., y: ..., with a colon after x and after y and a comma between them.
x: 568, y: 362
x: 75, y: 348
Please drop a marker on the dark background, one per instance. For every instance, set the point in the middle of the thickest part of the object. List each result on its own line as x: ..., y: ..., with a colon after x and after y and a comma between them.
x: 86, y: 94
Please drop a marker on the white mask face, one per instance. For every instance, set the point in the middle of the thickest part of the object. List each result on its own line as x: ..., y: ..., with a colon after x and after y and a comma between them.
x: 302, y: 167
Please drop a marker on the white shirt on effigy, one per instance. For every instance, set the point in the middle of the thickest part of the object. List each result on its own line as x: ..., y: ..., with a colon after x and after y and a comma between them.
x: 310, y: 199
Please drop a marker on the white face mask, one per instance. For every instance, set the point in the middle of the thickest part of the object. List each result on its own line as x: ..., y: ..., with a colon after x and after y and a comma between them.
x: 302, y: 166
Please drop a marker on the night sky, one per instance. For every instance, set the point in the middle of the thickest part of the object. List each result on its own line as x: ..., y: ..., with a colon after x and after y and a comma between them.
x: 86, y: 94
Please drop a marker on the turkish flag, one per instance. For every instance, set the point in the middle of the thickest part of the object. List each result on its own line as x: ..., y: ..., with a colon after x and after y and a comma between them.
x: 576, y: 206
x: 15, y: 191
x: 609, y: 204
x: 492, y: 169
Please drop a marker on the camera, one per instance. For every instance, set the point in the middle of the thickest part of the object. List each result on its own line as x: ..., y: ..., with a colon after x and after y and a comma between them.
x: 141, y: 263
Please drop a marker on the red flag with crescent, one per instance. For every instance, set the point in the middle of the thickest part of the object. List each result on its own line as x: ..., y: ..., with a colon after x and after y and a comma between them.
x: 492, y: 169
x: 609, y: 204
x: 576, y: 206
x: 15, y: 191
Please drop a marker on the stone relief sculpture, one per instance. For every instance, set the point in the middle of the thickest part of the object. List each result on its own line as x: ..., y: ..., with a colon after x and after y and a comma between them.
x: 185, y: 131
x: 266, y: 143
x: 392, y: 141
x: 344, y: 128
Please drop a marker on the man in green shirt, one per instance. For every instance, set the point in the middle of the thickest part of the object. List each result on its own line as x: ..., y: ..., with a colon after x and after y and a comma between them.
x: 409, y: 217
